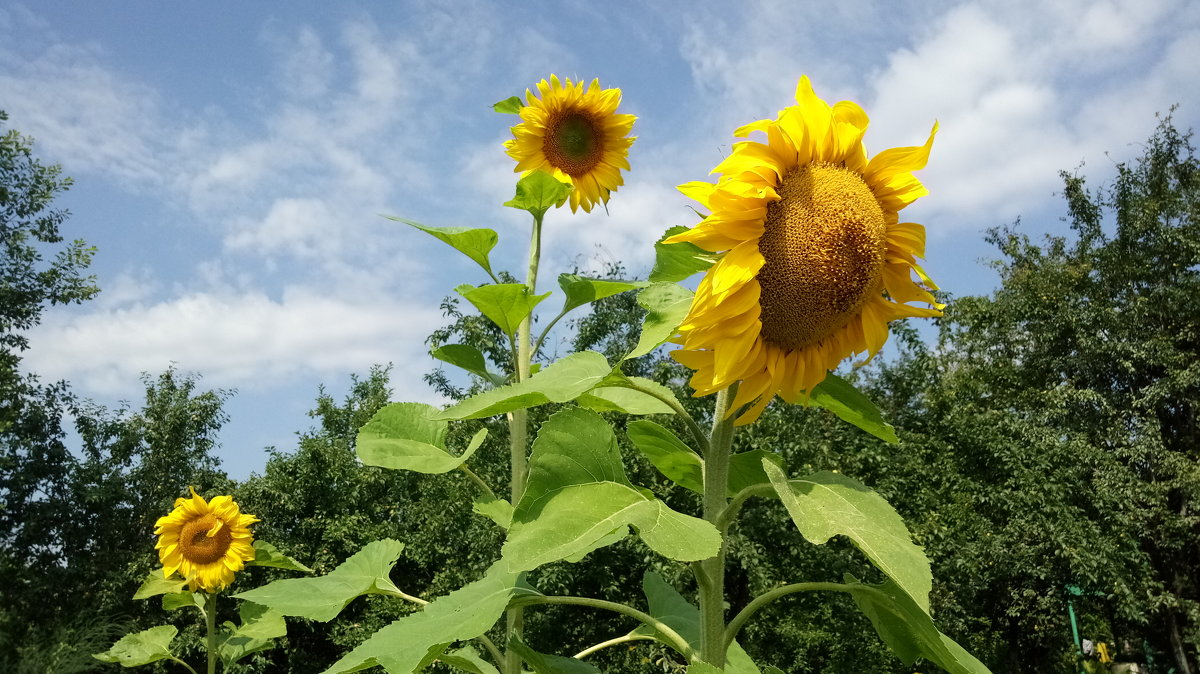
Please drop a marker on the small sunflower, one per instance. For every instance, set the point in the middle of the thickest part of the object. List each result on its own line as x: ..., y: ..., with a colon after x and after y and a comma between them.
x: 205, y: 541
x: 577, y: 136
x: 816, y: 259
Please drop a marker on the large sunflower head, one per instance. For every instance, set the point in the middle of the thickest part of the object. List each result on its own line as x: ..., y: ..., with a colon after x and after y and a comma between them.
x: 816, y: 259
x: 206, y: 541
x: 576, y: 135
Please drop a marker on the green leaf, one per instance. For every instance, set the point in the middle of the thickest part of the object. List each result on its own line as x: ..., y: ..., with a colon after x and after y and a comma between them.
x: 266, y: 554
x: 838, y: 396
x: 667, y: 305
x: 668, y: 606
x: 674, y: 262
x: 702, y: 668
x: 141, y: 648
x: 496, y: 509
x: 560, y: 382
x: 322, y: 598
x: 505, y: 304
x: 155, y: 584
x: 474, y: 243
x: 908, y: 630
x: 414, y: 640
x: 409, y: 436
x: 624, y: 400
x: 467, y: 659
x: 667, y: 453
x: 549, y: 664
x: 746, y: 469
x: 580, y: 290
x: 468, y: 358
x: 177, y: 600
x: 260, y: 627
x: 824, y: 505
x: 538, y: 192
x: 511, y: 105
x: 578, y: 494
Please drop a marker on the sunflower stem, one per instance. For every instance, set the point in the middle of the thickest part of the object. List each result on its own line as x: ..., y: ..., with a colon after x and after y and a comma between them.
x: 518, y: 429
x: 712, y: 570
x: 210, y: 621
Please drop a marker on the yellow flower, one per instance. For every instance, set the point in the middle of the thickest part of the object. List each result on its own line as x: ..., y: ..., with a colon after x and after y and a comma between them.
x: 205, y: 541
x: 577, y: 136
x: 817, y: 261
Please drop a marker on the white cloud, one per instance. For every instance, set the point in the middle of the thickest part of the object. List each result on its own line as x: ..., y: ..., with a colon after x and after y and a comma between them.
x: 245, y: 340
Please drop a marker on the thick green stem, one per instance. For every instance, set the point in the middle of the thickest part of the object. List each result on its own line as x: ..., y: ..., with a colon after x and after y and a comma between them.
x: 716, y: 487
x: 518, y: 428
x: 672, y: 637
x: 210, y: 621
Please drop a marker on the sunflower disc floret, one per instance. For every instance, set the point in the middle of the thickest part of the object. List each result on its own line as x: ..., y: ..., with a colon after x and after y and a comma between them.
x: 576, y: 135
x: 816, y: 261
x: 207, y: 542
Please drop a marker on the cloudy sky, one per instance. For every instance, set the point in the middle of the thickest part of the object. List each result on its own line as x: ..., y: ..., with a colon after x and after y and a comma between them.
x: 231, y: 159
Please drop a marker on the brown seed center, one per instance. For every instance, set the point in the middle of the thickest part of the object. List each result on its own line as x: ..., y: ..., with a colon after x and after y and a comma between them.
x: 572, y: 143
x: 197, y: 546
x: 824, y: 247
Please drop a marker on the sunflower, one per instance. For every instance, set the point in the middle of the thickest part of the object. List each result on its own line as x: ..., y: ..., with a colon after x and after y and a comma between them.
x: 205, y: 541
x: 816, y: 260
x: 575, y: 135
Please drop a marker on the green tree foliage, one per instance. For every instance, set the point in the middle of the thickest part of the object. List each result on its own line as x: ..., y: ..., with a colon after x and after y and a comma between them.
x: 93, y: 533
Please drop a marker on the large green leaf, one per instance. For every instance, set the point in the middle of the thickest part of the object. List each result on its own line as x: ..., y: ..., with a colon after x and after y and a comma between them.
x: 550, y: 664
x: 908, y: 630
x: 674, y: 262
x: 824, y: 505
x: 141, y: 648
x: 474, y: 243
x: 746, y: 469
x: 505, y: 304
x: 623, y: 400
x: 580, y: 290
x: 571, y: 519
x: 155, y: 584
x: 409, y: 436
x: 666, y: 452
x: 670, y: 607
x: 174, y: 601
x: 260, y: 627
x: 838, y: 396
x: 537, y: 192
x: 266, y: 554
x: 468, y: 358
x: 467, y: 659
x: 578, y: 494
x: 495, y: 509
x: 560, y: 382
x: 322, y: 598
x: 416, y: 639
x: 666, y: 304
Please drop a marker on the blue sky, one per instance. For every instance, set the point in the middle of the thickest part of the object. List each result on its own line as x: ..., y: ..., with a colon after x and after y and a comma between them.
x: 231, y: 159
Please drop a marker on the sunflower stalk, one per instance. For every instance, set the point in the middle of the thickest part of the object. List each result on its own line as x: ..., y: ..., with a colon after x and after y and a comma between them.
x: 518, y: 428
x: 210, y: 623
x: 711, y: 572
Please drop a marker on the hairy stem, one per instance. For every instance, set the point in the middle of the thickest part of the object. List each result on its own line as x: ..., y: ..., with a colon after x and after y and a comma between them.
x: 210, y: 621
x: 518, y: 426
x: 716, y: 486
